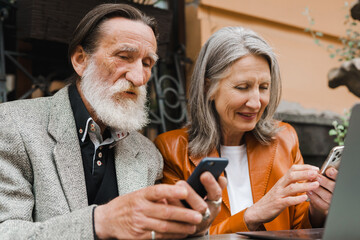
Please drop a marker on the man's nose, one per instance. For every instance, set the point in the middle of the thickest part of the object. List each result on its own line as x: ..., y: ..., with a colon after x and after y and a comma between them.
x: 254, y: 100
x: 135, y: 74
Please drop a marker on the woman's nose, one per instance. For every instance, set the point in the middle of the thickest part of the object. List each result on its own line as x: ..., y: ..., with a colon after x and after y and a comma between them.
x: 254, y: 100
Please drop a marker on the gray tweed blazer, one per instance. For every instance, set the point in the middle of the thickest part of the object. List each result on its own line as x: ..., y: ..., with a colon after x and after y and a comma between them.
x: 42, y: 183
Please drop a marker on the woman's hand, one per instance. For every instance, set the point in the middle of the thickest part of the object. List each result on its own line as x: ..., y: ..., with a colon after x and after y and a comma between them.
x: 320, y: 198
x: 298, y: 179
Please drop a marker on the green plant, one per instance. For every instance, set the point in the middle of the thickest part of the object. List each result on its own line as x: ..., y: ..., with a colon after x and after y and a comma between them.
x: 350, y: 42
x: 340, y: 128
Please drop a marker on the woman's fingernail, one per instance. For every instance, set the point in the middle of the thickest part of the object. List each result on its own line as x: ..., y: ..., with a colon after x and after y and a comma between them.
x: 314, y: 184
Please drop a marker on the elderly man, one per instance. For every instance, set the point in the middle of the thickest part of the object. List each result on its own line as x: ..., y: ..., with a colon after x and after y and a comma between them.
x: 73, y: 165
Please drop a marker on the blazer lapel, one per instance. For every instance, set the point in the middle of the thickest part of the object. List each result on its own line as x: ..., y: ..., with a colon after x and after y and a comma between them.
x: 260, y: 159
x: 67, y: 154
x: 129, y: 166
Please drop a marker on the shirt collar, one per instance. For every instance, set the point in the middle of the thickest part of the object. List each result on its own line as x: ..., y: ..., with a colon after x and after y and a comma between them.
x: 84, y: 122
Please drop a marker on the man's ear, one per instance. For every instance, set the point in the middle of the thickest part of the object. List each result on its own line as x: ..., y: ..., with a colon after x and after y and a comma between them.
x: 79, y: 60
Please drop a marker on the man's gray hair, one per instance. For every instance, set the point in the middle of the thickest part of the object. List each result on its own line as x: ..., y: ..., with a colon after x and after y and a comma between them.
x: 216, y: 57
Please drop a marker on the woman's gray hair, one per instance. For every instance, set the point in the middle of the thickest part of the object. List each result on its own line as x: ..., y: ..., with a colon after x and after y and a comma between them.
x: 216, y: 57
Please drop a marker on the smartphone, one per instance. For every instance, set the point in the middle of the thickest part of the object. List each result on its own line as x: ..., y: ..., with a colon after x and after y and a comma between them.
x: 213, y: 165
x: 333, y: 159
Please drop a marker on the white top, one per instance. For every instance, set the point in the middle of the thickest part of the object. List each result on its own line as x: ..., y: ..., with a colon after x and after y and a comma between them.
x: 237, y: 172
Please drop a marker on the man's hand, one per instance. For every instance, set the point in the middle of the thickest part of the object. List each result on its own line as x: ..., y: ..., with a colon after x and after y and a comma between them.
x: 320, y: 198
x: 214, y: 191
x: 298, y: 179
x: 135, y: 215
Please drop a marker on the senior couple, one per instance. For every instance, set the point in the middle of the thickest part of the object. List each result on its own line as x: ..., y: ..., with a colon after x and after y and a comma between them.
x: 74, y: 167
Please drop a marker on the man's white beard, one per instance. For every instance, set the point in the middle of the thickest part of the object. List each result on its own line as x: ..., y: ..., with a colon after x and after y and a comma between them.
x: 113, y: 110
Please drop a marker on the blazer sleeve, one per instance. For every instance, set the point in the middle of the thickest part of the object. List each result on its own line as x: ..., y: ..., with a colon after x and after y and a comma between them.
x: 16, y: 195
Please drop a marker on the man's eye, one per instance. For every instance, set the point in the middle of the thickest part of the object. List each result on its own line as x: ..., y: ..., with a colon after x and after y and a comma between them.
x: 146, y: 64
x: 241, y: 87
x: 123, y: 57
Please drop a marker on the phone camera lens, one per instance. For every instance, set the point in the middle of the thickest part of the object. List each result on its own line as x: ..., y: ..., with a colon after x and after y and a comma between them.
x: 211, y: 163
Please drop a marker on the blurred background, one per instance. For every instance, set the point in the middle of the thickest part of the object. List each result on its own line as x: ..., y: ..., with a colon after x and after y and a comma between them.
x: 316, y: 43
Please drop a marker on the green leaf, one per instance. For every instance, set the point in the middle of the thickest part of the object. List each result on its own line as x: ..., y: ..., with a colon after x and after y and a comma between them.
x: 320, y: 34
x: 354, y: 23
x: 317, y: 41
x: 332, y: 55
x: 332, y: 132
x: 307, y: 29
x: 350, y: 43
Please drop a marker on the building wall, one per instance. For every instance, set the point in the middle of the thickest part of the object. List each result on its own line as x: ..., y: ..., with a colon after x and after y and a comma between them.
x: 303, y: 64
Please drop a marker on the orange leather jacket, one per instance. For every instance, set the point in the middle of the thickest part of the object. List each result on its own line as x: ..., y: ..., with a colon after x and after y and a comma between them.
x: 267, y: 164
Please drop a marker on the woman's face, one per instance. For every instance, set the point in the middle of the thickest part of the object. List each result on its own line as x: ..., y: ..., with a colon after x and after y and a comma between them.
x: 242, y: 96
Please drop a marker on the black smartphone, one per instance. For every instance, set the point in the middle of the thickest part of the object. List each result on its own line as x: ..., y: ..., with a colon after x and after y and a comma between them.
x: 333, y: 159
x: 213, y: 165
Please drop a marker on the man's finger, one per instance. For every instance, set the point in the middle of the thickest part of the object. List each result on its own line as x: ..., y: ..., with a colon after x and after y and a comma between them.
x: 161, y: 191
x: 173, y: 213
x: 166, y: 226
x: 211, y: 186
x: 193, y: 199
x: 222, y: 182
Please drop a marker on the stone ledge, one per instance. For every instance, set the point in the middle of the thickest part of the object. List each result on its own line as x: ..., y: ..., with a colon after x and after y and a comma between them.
x: 294, y: 112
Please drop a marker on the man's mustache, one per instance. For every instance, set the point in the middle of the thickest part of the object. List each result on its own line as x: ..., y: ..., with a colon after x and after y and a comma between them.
x: 125, y: 86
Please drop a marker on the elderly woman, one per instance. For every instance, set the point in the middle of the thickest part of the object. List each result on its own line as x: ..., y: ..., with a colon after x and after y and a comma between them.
x: 234, y: 92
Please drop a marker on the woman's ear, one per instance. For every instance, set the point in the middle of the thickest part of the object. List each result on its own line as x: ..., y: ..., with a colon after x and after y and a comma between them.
x: 78, y: 60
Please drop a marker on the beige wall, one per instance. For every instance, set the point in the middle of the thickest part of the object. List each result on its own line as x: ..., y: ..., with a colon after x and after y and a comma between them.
x: 304, y: 65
